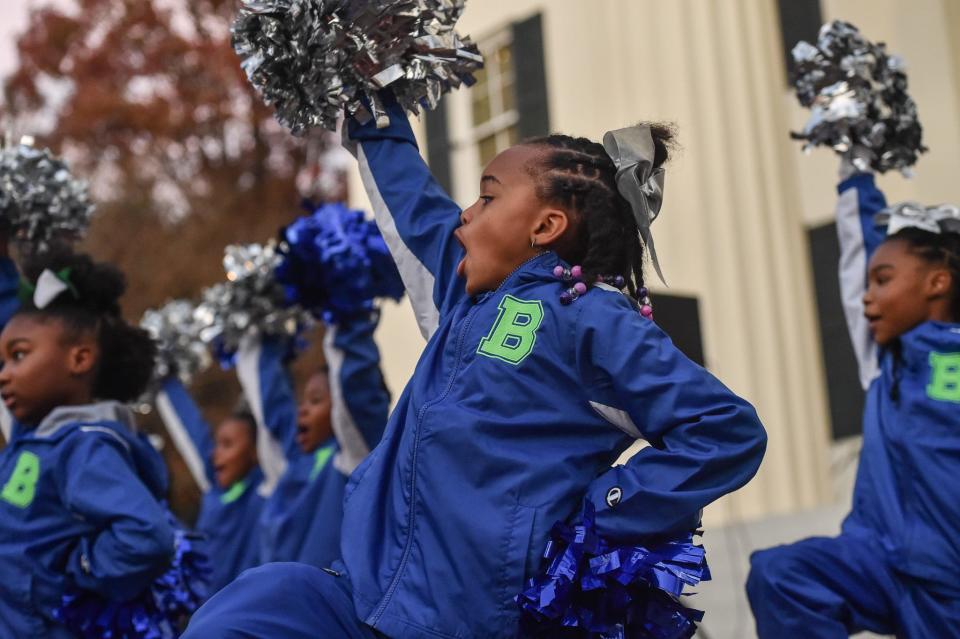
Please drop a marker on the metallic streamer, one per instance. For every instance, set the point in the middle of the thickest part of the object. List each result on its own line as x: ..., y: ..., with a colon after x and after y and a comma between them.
x: 40, y: 200
x: 857, y: 94
x: 336, y: 263
x: 313, y: 60
x: 251, y: 300
x: 594, y: 589
x: 180, y: 351
x: 156, y: 613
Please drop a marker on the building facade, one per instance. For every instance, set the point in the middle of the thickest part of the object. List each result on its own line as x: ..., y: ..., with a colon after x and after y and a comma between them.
x: 745, y: 235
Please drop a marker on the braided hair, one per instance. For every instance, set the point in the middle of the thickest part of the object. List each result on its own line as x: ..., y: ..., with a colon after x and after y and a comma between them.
x: 127, y: 352
x: 577, y: 175
x: 941, y: 249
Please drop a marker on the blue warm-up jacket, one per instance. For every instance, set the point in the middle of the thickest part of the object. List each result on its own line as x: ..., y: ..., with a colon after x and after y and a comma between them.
x: 301, y: 518
x: 79, y: 505
x: 228, y: 517
x: 516, y: 411
x: 9, y: 303
x: 9, y: 287
x: 905, y: 493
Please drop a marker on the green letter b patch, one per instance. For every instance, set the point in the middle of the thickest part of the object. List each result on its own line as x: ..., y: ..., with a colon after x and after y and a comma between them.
x: 944, y: 377
x: 515, y: 332
x: 22, y: 485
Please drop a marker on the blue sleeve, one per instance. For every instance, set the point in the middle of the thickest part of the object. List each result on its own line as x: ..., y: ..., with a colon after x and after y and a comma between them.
x: 704, y: 441
x: 278, y: 400
x: 9, y: 303
x: 869, y: 200
x: 416, y: 217
x: 134, y: 541
x: 269, y: 392
x: 858, y: 202
x: 359, y: 395
x: 9, y: 288
x: 188, y: 430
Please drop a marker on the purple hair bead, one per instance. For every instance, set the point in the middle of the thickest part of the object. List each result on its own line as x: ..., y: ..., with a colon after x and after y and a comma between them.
x: 576, y: 272
x: 644, y: 292
x: 558, y: 271
x: 565, y: 298
x: 619, y: 282
x: 580, y: 288
x: 647, y: 311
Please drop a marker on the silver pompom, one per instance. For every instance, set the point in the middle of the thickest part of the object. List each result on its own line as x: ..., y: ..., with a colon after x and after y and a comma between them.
x: 314, y: 59
x: 858, y: 98
x: 180, y: 350
x: 40, y: 200
x: 250, y: 300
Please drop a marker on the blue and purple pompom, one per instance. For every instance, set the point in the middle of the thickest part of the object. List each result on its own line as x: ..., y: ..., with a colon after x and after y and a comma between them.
x: 335, y: 263
x: 157, y: 613
x: 592, y: 589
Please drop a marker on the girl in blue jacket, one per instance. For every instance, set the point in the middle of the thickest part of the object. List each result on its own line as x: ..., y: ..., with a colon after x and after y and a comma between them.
x: 539, y: 372
x: 893, y: 569
x: 310, y: 448
x: 224, y: 467
x: 80, y: 490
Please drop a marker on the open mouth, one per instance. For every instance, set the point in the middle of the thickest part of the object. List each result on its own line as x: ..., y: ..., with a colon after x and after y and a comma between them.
x: 9, y: 401
x: 302, y: 433
x: 462, y: 264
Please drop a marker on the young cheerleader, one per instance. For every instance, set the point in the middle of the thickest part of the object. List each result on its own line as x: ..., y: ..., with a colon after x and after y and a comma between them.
x: 79, y: 489
x: 225, y: 469
x: 531, y: 386
x: 340, y: 417
x: 892, y: 570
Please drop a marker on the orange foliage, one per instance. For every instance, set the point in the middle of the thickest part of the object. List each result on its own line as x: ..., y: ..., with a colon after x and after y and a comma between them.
x: 147, y: 100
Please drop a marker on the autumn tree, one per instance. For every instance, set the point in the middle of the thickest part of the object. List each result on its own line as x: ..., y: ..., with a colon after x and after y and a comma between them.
x: 147, y: 100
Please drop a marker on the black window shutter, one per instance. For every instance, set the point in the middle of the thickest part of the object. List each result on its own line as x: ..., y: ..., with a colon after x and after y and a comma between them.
x: 530, y: 78
x: 679, y: 317
x: 438, y: 146
x: 843, y: 381
x: 799, y: 20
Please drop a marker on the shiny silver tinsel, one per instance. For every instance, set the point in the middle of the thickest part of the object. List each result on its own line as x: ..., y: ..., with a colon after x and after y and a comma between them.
x: 313, y: 59
x: 857, y: 93
x: 40, y: 201
x: 250, y: 300
x: 180, y: 351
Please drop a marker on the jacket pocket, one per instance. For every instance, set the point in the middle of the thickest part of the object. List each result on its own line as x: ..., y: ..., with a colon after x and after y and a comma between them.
x: 17, y: 606
x: 519, y: 555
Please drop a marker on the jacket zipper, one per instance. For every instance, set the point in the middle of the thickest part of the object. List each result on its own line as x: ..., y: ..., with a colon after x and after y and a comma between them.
x: 413, y: 474
x: 467, y: 321
x: 514, y: 271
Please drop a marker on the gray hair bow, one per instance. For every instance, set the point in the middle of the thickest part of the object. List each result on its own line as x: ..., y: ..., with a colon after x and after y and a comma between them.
x: 632, y: 151
x: 943, y: 218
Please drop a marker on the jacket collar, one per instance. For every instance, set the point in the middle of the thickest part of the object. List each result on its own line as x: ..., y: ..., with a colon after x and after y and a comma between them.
x: 108, y: 411
x: 538, y: 267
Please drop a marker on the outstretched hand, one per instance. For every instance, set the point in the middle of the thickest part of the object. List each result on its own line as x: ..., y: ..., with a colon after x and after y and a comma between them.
x: 856, y: 160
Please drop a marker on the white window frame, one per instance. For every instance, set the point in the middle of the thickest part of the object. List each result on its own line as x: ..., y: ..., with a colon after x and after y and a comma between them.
x: 465, y: 137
